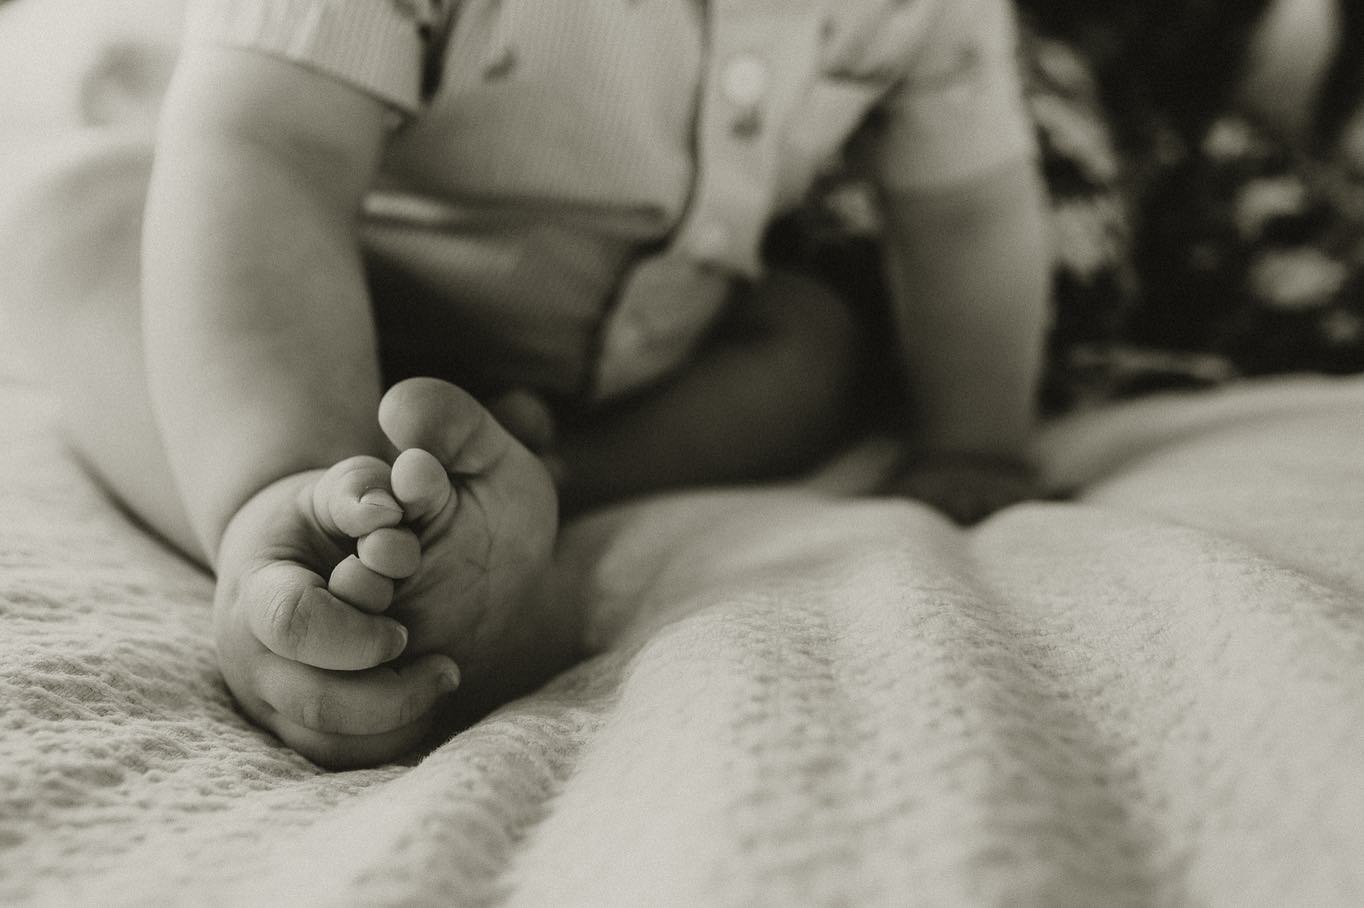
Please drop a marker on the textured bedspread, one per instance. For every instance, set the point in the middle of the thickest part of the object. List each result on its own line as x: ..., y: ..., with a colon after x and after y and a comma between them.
x: 1151, y: 695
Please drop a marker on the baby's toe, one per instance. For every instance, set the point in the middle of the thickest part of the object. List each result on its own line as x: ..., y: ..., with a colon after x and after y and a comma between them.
x: 353, y: 498
x: 289, y: 612
x: 393, y: 552
x: 358, y: 585
x: 420, y: 483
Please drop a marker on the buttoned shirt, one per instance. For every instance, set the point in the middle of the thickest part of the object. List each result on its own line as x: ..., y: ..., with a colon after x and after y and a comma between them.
x: 584, y: 181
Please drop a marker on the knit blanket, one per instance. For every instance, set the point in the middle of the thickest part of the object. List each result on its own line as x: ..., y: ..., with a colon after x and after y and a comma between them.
x: 1152, y: 693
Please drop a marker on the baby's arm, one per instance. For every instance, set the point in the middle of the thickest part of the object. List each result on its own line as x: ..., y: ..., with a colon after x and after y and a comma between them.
x: 969, y: 269
x: 260, y: 348
x: 968, y: 257
x: 970, y: 274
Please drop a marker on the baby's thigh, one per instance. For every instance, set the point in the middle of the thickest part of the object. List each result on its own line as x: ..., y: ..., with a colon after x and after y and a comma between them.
x: 70, y: 244
x: 70, y: 234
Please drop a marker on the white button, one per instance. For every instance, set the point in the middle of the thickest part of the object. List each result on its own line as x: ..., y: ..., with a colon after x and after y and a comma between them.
x: 713, y: 239
x: 744, y: 80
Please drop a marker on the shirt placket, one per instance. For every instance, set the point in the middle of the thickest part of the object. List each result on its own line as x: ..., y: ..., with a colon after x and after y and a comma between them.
x: 762, y: 57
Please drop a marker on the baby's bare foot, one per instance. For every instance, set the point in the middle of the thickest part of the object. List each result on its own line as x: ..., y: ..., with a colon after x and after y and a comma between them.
x: 485, y: 513
x: 321, y: 673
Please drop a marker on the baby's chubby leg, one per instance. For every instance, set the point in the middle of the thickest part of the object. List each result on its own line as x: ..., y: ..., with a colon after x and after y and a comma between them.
x: 765, y: 399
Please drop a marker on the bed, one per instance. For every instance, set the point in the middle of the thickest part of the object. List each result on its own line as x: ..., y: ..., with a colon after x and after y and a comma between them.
x: 1151, y: 692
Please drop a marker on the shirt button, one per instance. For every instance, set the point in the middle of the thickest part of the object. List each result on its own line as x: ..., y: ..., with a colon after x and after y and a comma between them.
x: 713, y: 239
x: 743, y: 81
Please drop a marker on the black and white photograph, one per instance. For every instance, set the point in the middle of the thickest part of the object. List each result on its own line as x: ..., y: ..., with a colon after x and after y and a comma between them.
x: 682, y: 453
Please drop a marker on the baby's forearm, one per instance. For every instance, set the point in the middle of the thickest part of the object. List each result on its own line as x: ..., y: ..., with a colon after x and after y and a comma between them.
x: 260, y: 344
x: 970, y: 271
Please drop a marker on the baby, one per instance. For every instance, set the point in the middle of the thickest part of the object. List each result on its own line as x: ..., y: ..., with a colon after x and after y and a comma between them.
x: 554, y: 208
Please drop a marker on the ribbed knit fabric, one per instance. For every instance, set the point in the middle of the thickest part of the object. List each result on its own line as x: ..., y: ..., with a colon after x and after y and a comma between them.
x: 376, y: 46
x: 1151, y: 696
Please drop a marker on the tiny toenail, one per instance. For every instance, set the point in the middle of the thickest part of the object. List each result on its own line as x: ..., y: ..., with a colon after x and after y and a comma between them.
x: 449, y: 679
x: 400, y: 641
x: 379, y: 498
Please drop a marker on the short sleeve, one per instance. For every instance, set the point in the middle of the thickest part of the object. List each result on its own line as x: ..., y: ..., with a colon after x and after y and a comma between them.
x: 378, y: 46
x: 959, y: 111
